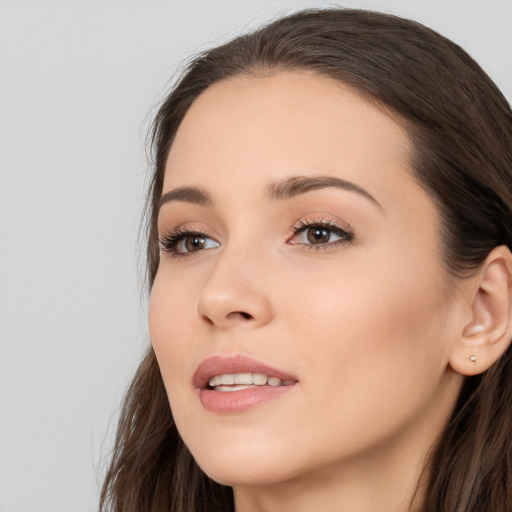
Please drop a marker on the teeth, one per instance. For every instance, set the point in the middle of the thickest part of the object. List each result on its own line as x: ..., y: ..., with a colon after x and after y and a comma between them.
x: 243, y: 378
x: 238, y: 381
x: 227, y: 378
x: 215, y: 381
x: 260, y: 379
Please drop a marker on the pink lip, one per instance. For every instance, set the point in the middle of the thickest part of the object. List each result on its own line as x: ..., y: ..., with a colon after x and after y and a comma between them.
x: 237, y: 401
x: 217, y: 365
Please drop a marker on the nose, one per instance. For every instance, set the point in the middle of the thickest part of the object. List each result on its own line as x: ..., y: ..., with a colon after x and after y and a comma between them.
x: 234, y: 294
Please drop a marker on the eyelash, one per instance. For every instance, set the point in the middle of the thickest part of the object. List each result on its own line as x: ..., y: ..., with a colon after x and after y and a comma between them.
x: 169, y: 242
x: 346, y: 236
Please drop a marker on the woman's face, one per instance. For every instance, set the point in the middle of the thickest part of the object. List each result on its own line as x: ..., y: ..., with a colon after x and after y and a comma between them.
x: 298, y: 250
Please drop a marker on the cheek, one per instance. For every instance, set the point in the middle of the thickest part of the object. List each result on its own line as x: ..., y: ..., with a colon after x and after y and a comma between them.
x: 379, y: 339
x: 170, y: 316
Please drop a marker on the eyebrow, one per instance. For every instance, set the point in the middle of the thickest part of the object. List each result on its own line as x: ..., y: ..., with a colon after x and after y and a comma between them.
x: 296, y: 185
x: 194, y: 195
x: 284, y: 189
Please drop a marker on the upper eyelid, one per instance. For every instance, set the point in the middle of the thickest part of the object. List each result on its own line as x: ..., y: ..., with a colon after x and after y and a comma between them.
x: 182, y: 230
x: 304, y: 223
x: 185, y: 228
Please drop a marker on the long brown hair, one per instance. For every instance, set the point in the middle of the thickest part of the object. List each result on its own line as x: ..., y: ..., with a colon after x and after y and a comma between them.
x: 461, y: 128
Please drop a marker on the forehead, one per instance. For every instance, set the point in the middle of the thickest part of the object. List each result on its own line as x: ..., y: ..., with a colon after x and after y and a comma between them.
x: 249, y: 131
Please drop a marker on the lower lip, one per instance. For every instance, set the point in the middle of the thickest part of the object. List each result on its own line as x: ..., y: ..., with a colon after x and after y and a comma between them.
x: 239, y: 401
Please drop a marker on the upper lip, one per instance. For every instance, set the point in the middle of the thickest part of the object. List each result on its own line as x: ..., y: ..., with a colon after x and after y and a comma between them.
x: 219, y: 365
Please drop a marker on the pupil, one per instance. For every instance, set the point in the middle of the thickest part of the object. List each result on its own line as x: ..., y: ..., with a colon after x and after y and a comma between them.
x: 318, y: 235
x: 194, y: 243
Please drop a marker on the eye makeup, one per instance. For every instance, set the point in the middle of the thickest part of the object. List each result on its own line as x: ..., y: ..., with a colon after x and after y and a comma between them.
x: 314, y: 234
x: 319, y: 233
x: 186, y: 241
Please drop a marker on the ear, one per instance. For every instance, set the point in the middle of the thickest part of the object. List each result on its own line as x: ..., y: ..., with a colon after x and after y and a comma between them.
x: 486, y: 337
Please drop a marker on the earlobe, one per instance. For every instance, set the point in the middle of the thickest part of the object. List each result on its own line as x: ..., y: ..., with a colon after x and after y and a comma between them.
x: 486, y: 337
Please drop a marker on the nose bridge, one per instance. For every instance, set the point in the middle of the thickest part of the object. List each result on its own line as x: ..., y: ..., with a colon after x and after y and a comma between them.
x: 233, y: 292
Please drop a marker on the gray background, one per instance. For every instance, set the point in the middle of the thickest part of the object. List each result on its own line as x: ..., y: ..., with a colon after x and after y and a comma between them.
x: 77, y: 83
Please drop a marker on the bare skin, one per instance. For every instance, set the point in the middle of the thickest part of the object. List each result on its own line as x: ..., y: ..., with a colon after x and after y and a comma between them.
x: 339, y: 285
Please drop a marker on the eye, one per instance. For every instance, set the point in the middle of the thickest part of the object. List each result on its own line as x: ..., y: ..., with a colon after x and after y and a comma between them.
x: 320, y: 234
x: 182, y: 242
x: 195, y: 242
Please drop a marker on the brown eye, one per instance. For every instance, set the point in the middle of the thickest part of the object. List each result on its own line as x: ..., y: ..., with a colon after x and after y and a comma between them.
x: 318, y: 235
x: 193, y: 243
x: 186, y: 242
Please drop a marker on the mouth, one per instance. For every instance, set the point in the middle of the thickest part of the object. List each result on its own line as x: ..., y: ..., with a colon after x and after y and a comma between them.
x: 237, y: 383
x: 238, y: 371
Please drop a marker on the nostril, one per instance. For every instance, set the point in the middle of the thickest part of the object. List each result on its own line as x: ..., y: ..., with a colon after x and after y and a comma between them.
x: 208, y: 320
x: 242, y: 314
x: 233, y: 315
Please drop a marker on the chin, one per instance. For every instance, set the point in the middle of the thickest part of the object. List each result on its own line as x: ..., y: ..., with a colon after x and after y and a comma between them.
x: 235, y: 467
x: 259, y: 476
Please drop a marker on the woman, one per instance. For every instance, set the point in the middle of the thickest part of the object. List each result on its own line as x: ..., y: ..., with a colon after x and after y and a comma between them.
x: 328, y: 252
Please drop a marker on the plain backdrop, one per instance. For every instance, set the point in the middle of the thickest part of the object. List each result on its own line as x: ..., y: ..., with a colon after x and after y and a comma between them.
x: 78, y: 80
